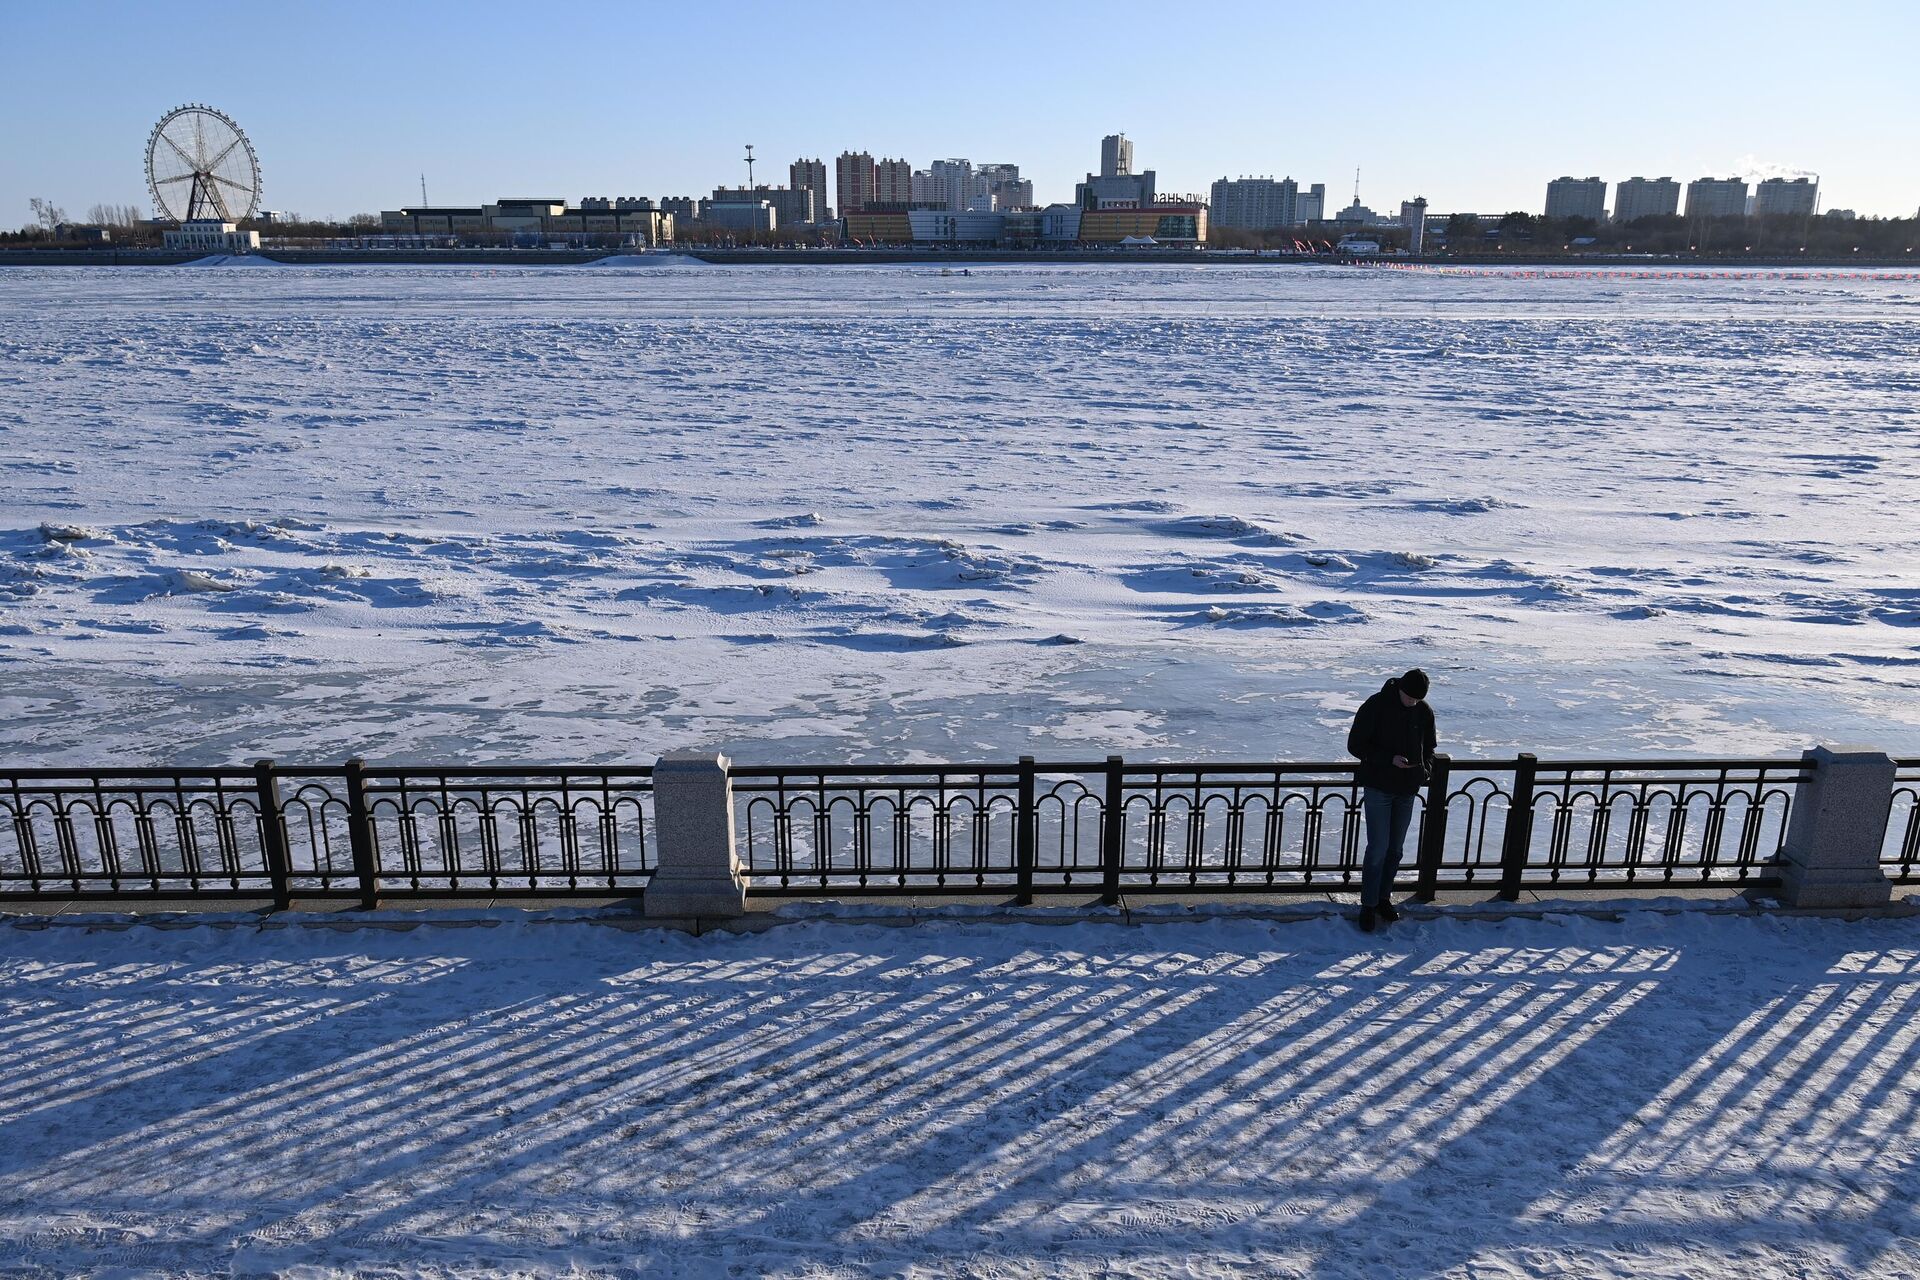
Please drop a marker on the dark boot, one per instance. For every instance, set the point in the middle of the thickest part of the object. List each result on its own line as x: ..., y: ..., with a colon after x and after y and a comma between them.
x: 1366, y: 919
x: 1387, y: 913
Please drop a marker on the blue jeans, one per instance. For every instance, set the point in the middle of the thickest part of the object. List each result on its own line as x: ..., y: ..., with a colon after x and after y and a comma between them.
x: 1388, y: 816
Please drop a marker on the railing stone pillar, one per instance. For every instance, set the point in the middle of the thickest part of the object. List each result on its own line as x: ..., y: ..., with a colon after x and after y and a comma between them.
x: 1834, y: 835
x: 697, y: 872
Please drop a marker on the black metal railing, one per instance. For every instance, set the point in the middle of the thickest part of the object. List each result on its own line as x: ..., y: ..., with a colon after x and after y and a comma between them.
x: 1901, y: 851
x: 919, y: 828
x: 1236, y: 827
x: 1102, y: 827
x: 1610, y: 823
x: 1505, y: 825
x: 349, y: 831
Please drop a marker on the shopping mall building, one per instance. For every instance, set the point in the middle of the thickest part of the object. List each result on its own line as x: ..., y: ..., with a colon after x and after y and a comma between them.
x: 1174, y: 224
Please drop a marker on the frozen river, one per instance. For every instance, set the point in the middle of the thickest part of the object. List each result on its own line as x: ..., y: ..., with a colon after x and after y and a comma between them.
x: 814, y: 513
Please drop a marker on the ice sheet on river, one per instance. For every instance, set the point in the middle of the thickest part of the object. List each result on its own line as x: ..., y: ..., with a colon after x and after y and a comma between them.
x: 874, y: 511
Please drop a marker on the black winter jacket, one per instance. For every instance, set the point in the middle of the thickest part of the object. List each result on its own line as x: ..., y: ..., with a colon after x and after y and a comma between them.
x: 1384, y: 728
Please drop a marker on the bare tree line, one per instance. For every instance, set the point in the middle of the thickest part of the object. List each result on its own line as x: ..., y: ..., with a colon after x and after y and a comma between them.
x: 49, y: 217
x: 46, y: 215
x: 116, y: 215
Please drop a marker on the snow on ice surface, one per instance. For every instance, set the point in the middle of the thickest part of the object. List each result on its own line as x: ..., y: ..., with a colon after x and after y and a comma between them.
x: 1684, y: 1095
x: 249, y: 261
x: 649, y: 260
x: 819, y: 513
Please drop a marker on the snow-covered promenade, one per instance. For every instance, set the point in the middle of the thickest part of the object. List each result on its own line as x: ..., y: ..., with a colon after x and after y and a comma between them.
x: 1694, y: 1093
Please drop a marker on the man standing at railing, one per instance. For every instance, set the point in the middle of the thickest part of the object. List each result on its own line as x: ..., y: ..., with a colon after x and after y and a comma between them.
x: 1393, y: 738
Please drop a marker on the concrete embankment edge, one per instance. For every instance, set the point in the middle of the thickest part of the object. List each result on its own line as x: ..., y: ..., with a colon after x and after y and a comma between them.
x: 880, y: 257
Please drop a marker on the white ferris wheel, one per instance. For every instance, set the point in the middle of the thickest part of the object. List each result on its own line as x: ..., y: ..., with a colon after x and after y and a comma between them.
x: 200, y: 166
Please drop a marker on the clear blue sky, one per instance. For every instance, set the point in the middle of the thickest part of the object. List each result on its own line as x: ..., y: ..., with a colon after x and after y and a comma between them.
x: 1474, y: 105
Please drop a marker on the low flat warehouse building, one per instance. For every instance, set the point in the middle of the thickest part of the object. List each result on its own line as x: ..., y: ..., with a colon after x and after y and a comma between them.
x: 1175, y: 224
x: 439, y: 220
x: 630, y: 217
x: 792, y: 206
x: 522, y: 214
x: 754, y: 216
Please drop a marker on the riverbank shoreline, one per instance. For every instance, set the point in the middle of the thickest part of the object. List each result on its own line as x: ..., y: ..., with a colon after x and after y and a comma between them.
x: 921, y: 257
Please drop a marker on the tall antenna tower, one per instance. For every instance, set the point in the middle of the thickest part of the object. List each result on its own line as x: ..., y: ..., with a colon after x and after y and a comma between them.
x: 749, y: 166
x: 1356, y: 184
x: 424, y: 202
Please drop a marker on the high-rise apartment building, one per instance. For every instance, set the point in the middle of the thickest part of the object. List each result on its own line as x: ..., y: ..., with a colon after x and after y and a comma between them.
x: 1717, y: 198
x: 957, y: 177
x: 1645, y: 198
x: 1256, y: 204
x: 1797, y: 196
x: 928, y: 189
x: 1116, y: 156
x: 1577, y: 198
x: 893, y: 182
x: 1004, y: 184
x: 811, y: 175
x: 854, y: 181
x: 1252, y: 204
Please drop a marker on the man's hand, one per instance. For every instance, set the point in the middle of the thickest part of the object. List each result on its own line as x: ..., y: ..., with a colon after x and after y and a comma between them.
x: 1401, y: 762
